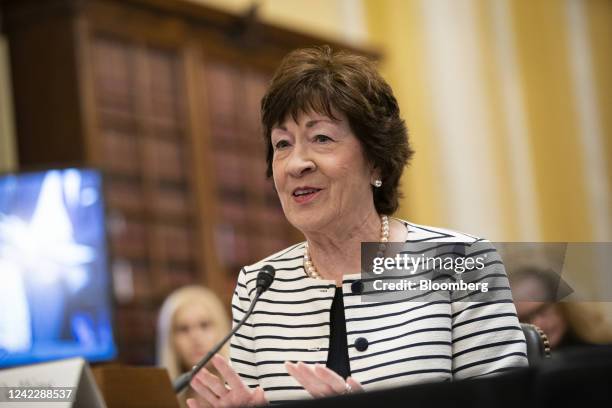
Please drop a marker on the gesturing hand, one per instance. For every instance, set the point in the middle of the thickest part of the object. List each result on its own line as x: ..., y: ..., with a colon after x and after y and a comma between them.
x: 217, y: 394
x: 320, y: 381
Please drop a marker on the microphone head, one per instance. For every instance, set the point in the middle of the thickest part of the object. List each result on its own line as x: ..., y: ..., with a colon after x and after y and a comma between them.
x: 265, y: 277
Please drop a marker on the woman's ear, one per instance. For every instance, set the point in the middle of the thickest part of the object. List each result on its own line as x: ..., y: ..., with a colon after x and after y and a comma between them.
x: 375, y: 175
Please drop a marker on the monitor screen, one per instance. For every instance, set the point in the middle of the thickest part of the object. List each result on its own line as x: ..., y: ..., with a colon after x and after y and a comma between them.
x: 55, y: 299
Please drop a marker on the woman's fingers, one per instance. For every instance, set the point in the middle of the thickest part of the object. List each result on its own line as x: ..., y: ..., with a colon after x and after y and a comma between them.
x: 213, y: 382
x: 355, y: 385
x: 259, y: 398
x: 306, y: 376
x: 217, y: 394
x: 203, y: 390
x: 320, y: 381
x: 192, y: 403
x: 293, y: 371
x: 297, y: 374
x: 229, y: 375
x: 331, y: 378
x: 320, y: 387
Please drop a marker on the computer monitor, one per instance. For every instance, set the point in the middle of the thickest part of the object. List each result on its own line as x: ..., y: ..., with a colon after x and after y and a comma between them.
x: 55, y: 288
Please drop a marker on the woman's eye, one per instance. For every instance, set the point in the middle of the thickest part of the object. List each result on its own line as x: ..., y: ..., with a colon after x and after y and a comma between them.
x: 281, y: 144
x: 322, y: 138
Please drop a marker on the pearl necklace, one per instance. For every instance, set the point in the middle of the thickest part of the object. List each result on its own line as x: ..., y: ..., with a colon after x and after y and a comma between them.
x: 384, y: 238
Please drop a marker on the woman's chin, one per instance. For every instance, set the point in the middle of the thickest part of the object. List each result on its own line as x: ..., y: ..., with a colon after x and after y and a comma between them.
x: 308, y: 223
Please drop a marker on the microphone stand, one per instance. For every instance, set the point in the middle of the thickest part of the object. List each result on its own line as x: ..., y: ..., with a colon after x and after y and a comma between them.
x: 263, y: 283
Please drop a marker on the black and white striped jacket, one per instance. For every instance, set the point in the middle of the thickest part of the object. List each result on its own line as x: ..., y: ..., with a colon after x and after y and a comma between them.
x: 399, y: 342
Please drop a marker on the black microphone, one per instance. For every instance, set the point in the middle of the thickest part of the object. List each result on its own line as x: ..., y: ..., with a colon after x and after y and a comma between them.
x: 265, y: 277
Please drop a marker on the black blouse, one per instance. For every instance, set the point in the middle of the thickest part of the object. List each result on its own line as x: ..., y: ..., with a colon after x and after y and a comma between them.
x: 337, y: 357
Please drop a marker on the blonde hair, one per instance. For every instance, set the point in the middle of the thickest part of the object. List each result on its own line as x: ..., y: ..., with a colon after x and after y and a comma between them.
x: 166, y: 353
x: 588, y: 321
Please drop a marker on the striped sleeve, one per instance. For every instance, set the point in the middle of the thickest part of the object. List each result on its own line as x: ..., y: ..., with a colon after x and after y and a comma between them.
x: 242, y: 346
x: 487, y: 337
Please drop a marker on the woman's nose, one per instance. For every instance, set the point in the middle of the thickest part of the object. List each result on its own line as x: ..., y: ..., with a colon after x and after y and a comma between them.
x: 300, y: 161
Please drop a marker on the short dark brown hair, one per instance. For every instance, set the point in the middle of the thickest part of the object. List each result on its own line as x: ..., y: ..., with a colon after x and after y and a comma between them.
x: 319, y: 80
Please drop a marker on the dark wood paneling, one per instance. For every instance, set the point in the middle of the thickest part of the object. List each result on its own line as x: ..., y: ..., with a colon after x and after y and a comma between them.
x: 46, y: 94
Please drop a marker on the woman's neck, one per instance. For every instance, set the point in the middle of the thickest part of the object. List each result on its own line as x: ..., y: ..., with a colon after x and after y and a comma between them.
x: 336, y: 250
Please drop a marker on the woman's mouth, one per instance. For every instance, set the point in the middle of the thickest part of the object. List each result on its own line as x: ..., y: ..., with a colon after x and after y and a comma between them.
x: 303, y: 195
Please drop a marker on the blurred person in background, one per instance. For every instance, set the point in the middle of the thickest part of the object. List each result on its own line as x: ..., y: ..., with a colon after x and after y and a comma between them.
x: 336, y: 149
x: 191, y: 321
x: 566, y: 324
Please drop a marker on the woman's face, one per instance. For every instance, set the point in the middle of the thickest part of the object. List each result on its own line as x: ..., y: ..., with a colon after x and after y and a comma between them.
x: 193, y: 334
x: 320, y: 171
x: 535, y: 307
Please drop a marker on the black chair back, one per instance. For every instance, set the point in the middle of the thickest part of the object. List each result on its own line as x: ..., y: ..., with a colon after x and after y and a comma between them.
x: 538, y: 347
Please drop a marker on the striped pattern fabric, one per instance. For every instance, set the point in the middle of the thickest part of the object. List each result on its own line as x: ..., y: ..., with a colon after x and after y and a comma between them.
x: 408, y: 342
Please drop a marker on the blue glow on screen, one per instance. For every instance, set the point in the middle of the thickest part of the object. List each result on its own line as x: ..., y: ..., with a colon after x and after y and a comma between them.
x: 54, y: 281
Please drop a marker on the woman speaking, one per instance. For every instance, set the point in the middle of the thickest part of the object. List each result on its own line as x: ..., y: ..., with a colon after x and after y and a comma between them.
x: 336, y: 149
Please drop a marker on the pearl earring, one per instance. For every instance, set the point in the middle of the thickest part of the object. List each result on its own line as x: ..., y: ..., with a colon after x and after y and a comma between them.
x: 378, y: 183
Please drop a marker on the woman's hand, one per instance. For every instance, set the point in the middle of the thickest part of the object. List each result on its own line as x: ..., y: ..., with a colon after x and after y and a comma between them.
x: 217, y: 394
x: 320, y: 381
